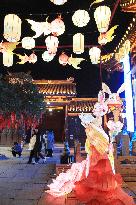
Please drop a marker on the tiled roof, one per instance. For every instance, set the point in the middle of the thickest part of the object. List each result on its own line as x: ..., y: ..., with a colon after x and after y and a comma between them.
x: 128, y: 6
x: 112, y: 64
x: 57, y: 88
x: 81, y: 105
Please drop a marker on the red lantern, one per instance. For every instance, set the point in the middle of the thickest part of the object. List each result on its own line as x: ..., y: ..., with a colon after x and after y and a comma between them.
x: 57, y: 26
x: 63, y: 59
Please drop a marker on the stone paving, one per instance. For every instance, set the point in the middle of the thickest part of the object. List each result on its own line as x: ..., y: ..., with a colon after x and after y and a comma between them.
x: 22, y: 183
x: 25, y: 184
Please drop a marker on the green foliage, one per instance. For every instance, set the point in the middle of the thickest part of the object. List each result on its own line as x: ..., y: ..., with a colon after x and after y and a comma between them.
x: 18, y: 94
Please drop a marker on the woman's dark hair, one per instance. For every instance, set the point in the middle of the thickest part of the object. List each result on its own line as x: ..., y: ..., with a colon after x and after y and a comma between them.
x: 33, y: 132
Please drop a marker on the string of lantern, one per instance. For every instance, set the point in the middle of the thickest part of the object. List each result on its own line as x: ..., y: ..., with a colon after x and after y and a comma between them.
x: 80, y: 18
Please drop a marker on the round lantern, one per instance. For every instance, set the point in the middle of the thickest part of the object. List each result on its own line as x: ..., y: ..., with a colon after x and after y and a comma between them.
x: 59, y: 2
x: 28, y: 43
x: 7, y: 59
x: 94, y: 53
x: 80, y: 18
x: 52, y: 44
x: 12, y: 28
x: 63, y: 59
x: 57, y: 27
x: 78, y: 43
x: 47, y: 57
x: 102, y: 16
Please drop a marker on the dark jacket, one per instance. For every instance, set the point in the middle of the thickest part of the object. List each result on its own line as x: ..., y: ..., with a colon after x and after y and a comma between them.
x: 38, y: 143
x: 17, y: 148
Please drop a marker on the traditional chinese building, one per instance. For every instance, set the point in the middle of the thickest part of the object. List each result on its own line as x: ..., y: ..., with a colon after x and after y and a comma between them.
x: 63, y: 108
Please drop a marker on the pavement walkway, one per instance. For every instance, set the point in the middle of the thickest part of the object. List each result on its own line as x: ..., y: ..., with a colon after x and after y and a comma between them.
x: 22, y: 183
x: 25, y: 184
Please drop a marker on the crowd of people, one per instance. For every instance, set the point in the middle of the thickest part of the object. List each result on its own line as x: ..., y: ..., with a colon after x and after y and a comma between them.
x: 41, y: 145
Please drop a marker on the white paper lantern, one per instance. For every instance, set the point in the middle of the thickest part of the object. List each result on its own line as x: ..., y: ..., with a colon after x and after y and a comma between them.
x: 94, y: 54
x: 12, y: 28
x: 59, y: 2
x: 78, y: 43
x: 102, y: 16
x: 47, y: 57
x: 28, y: 43
x: 7, y: 59
x: 52, y: 44
x: 80, y: 18
x: 57, y: 27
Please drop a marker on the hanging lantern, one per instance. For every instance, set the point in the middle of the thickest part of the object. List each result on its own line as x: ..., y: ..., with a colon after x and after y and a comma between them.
x: 12, y: 28
x: 57, y: 27
x: 47, y: 57
x: 94, y: 53
x: 47, y: 27
x: 7, y: 59
x: 63, y: 59
x: 28, y: 43
x: 80, y: 18
x: 59, y: 2
x: 52, y: 44
x: 32, y: 58
x: 102, y: 16
x: 78, y: 43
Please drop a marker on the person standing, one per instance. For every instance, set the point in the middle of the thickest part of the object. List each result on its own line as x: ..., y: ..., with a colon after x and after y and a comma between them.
x: 31, y: 147
x: 50, y: 143
x: 38, y: 146
x: 45, y: 141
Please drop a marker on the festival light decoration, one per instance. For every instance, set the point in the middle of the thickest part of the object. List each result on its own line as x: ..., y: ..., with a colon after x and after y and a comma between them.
x: 31, y: 59
x: 40, y: 27
x: 102, y: 16
x: 63, y: 59
x: 128, y: 94
x: 12, y: 28
x: 80, y: 18
x: 123, y: 51
x: 52, y: 44
x: 7, y: 59
x: 57, y: 26
x: 28, y: 43
x: 46, y: 56
x: 107, y: 37
x: 78, y: 43
x: 59, y: 2
x: 75, y: 62
x: 94, y: 54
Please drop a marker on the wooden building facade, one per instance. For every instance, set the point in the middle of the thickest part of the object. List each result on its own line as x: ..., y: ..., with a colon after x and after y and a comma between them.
x: 63, y: 108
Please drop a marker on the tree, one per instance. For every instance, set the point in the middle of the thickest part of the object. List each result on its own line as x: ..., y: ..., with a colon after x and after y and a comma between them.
x: 18, y: 94
x: 20, y: 101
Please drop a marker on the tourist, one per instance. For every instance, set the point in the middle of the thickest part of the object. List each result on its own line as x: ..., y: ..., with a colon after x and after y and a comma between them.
x: 36, y: 146
x: 16, y: 149
x: 50, y: 143
x: 45, y: 141
x: 31, y: 147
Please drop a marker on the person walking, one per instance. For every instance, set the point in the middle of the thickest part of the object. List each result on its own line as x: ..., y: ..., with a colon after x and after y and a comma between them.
x: 31, y: 147
x: 36, y: 146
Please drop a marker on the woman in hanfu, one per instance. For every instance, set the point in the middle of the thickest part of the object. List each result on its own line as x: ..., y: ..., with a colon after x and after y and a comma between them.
x: 93, y: 180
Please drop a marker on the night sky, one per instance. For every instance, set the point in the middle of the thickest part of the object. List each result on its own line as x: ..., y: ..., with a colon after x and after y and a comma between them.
x: 88, y: 78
